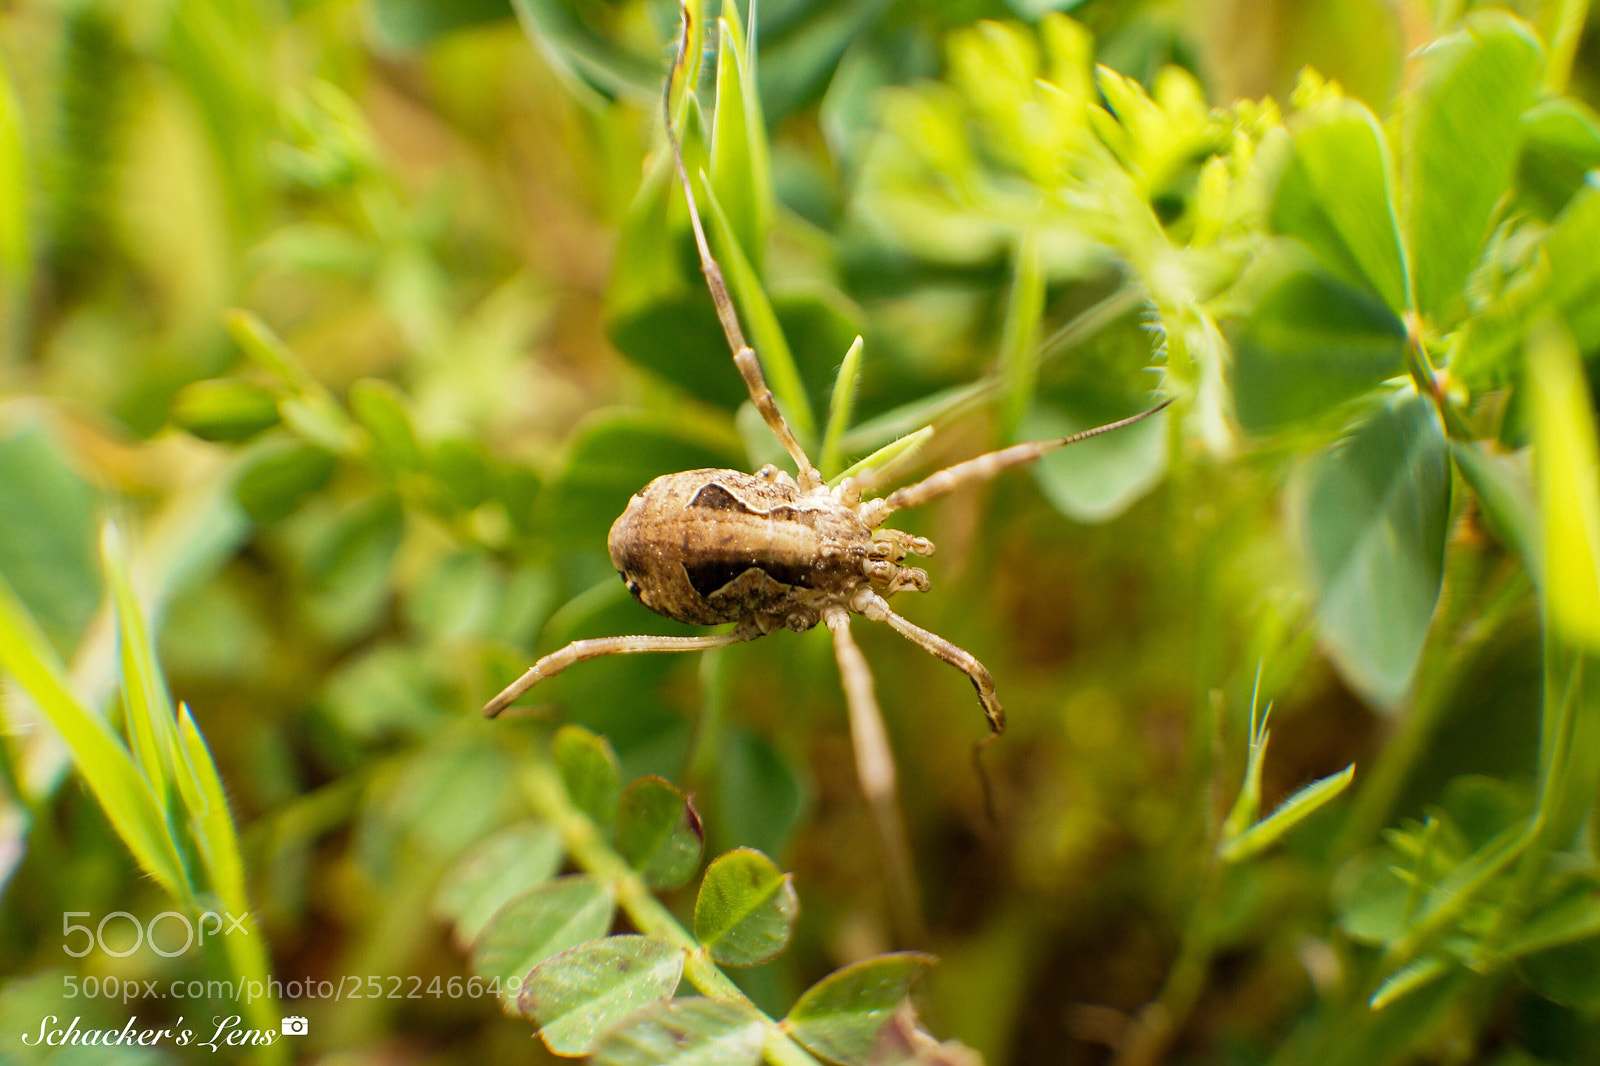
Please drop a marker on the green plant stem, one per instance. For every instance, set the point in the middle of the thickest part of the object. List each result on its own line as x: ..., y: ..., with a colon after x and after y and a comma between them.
x: 1567, y: 698
x: 705, y: 744
x: 1426, y: 380
x: 1153, y: 1029
x: 589, y: 849
x: 1563, y: 28
x: 1434, y: 695
x: 1158, y: 1023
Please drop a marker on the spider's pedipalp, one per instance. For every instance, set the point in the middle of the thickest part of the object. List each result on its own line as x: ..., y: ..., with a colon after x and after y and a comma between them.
x: 894, y: 545
x: 579, y: 650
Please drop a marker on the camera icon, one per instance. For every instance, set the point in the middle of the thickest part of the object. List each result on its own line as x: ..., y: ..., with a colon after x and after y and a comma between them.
x: 295, y: 1026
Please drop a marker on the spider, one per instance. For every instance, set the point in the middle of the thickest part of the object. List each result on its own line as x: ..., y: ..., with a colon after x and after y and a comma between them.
x: 769, y: 551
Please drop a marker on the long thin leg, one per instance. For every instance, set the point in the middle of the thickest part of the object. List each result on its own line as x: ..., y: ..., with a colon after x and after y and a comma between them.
x: 744, y: 357
x: 984, y: 467
x: 875, y: 770
x: 874, y: 607
x: 579, y: 650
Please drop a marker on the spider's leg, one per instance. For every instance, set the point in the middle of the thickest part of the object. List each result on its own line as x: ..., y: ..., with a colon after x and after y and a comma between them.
x: 579, y: 650
x: 875, y: 770
x: 874, y: 606
x: 984, y: 467
x: 744, y: 357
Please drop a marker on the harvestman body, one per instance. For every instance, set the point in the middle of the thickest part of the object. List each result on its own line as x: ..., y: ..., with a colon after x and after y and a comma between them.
x: 768, y: 551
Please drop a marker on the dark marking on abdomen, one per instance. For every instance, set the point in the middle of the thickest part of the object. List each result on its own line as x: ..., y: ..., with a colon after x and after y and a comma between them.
x: 716, y: 498
x: 709, y: 575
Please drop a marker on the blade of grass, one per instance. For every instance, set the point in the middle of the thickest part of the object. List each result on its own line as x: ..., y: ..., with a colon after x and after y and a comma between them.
x: 880, y: 460
x: 1248, y: 805
x: 586, y: 62
x: 1424, y: 971
x: 765, y: 333
x: 1018, y: 364
x: 219, y: 845
x: 687, y: 75
x: 15, y: 260
x: 1565, y: 457
x: 106, y: 766
x: 1294, y: 810
x: 839, y: 408
x: 149, y: 710
x: 740, y: 167
x: 198, y: 527
x: 943, y: 406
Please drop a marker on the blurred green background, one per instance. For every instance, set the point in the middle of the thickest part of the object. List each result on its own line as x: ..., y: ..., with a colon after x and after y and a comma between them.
x: 360, y: 321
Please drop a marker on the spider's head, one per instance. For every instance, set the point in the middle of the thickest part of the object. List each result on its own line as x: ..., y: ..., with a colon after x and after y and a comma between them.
x: 630, y: 543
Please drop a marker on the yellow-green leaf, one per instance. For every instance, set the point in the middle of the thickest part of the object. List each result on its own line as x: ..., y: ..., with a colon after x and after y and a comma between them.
x: 1566, y: 464
x: 106, y: 766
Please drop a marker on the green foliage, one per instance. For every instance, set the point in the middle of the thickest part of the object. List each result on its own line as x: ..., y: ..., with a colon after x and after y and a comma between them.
x: 659, y: 833
x: 1560, y: 144
x: 741, y: 174
x: 746, y: 909
x: 1373, y: 514
x: 14, y: 260
x: 706, y: 1032
x: 543, y: 921
x: 1333, y: 193
x: 577, y: 995
x: 1103, y: 476
x: 495, y: 871
x: 841, y: 1016
x: 840, y: 404
x: 1294, y: 810
x: 1459, y: 133
x: 1242, y: 837
x: 766, y: 333
x: 1567, y: 454
x: 1313, y: 344
x: 125, y: 793
x: 589, y: 771
x: 158, y: 787
x: 409, y: 23
x: 547, y: 950
x: 47, y: 535
x: 223, y: 409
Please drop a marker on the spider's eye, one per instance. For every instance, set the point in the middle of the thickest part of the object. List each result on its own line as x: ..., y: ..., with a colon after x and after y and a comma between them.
x: 632, y: 585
